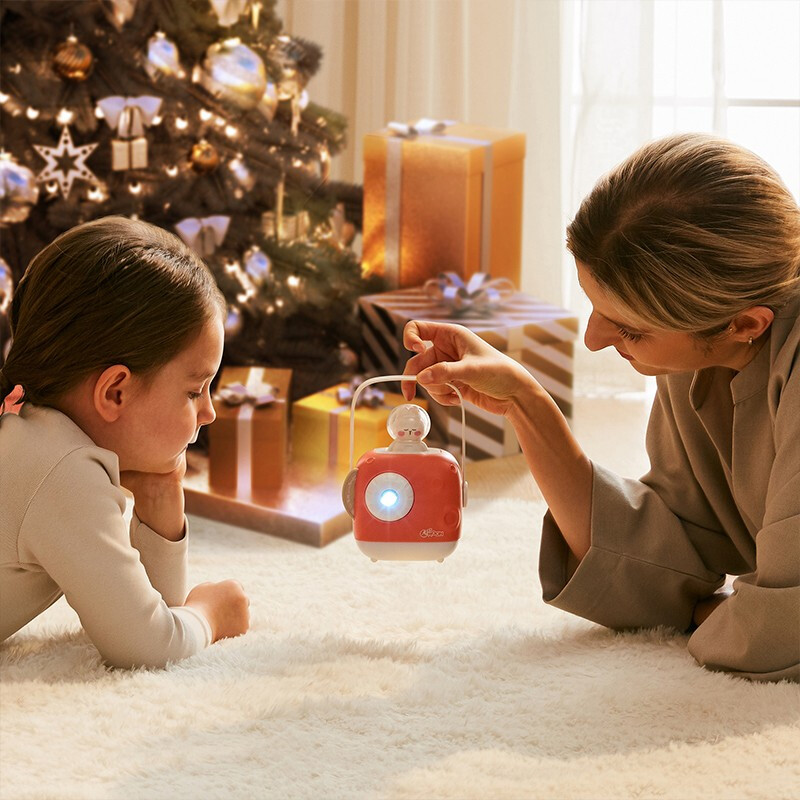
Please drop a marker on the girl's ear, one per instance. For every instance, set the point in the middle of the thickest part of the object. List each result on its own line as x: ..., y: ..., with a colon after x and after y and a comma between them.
x: 111, y: 391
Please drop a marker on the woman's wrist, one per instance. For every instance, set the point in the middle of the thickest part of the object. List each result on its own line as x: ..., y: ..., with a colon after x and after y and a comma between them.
x: 524, y: 401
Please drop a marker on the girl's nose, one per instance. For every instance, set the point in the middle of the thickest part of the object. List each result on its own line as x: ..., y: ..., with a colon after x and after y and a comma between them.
x: 206, y: 415
x: 600, y: 333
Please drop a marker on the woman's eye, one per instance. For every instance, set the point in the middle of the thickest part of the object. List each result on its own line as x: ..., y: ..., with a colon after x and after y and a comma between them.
x: 194, y: 395
x: 633, y: 337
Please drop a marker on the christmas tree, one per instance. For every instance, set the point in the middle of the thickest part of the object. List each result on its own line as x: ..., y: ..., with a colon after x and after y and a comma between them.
x: 192, y: 115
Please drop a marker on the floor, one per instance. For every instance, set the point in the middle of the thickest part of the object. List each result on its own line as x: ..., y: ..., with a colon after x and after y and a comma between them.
x: 610, y: 430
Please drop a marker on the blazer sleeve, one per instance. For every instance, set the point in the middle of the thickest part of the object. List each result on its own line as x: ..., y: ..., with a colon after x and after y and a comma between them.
x: 74, y: 529
x: 755, y: 633
x: 644, y: 566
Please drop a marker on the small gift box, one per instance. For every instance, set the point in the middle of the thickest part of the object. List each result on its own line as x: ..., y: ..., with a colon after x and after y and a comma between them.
x: 321, y: 423
x: 129, y: 153
x: 537, y: 335
x: 248, y: 440
x: 128, y: 117
x: 442, y: 196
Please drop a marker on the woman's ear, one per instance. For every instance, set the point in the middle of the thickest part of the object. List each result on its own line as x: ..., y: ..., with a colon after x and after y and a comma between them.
x: 111, y: 390
x: 752, y: 322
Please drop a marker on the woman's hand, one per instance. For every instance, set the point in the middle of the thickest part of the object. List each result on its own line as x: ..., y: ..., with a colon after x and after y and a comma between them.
x: 224, y: 605
x: 485, y: 377
x: 158, y: 499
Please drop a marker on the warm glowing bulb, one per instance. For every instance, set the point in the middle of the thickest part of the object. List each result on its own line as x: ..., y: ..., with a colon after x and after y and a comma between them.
x: 293, y: 281
x: 205, y: 114
x: 231, y: 131
x: 65, y: 117
x: 32, y: 113
x: 172, y: 171
x: 181, y: 124
x: 135, y: 188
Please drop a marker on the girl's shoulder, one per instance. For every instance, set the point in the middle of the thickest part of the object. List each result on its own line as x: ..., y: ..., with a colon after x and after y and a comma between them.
x: 38, y: 439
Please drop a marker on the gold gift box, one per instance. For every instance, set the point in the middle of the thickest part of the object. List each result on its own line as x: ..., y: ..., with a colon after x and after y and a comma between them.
x: 129, y: 153
x: 321, y: 427
x: 449, y: 201
x: 267, y: 429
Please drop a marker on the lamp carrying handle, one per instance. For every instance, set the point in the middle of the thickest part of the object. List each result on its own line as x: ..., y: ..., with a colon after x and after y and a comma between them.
x: 383, y: 379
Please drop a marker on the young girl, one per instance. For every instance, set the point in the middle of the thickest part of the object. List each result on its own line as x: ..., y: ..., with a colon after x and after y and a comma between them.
x: 689, y: 252
x: 117, y: 333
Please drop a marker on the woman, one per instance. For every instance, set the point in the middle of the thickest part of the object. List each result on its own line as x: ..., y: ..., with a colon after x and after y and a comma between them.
x: 689, y: 252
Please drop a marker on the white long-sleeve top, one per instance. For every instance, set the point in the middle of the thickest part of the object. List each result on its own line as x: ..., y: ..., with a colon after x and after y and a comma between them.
x: 62, y: 531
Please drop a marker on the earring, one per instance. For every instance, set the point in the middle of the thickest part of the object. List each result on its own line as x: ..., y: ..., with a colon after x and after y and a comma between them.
x: 750, y: 341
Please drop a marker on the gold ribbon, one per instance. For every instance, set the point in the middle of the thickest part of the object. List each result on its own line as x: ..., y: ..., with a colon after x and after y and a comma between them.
x: 203, y: 234
x: 480, y: 295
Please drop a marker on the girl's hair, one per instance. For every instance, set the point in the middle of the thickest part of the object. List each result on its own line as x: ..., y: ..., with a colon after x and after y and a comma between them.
x: 689, y: 231
x: 111, y: 291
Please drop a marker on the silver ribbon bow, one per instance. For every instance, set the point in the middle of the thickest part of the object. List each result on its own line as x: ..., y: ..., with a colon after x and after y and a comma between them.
x: 423, y: 125
x: 480, y: 295
x: 370, y: 397
x: 129, y: 115
x: 259, y: 395
x: 203, y: 234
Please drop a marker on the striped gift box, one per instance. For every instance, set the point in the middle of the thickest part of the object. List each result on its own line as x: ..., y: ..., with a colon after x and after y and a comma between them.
x: 537, y: 335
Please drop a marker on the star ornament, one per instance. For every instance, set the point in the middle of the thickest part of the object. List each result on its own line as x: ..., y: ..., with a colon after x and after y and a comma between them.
x: 65, y: 163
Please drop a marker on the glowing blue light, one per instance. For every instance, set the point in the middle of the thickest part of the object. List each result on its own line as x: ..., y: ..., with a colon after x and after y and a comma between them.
x: 388, y: 498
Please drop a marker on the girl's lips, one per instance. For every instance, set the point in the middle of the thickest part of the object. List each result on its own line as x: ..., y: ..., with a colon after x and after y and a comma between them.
x: 624, y: 355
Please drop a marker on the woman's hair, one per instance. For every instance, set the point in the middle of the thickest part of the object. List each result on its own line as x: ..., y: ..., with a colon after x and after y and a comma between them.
x: 111, y: 291
x: 689, y: 231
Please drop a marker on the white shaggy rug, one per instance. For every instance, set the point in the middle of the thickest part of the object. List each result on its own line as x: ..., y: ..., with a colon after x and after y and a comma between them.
x: 418, y: 680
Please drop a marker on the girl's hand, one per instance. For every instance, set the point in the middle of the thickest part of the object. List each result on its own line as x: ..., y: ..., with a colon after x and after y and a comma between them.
x: 158, y: 499
x: 485, y: 377
x: 224, y: 605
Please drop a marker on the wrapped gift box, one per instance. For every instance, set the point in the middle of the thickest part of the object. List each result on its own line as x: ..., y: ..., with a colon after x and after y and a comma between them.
x: 537, y: 335
x: 248, y: 442
x: 321, y: 425
x: 448, y: 200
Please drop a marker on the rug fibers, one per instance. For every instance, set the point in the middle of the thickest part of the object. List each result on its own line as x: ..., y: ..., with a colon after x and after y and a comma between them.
x: 361, y: 680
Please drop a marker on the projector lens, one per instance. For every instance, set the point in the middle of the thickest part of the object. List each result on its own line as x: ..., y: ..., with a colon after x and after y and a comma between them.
x: 388, y: 498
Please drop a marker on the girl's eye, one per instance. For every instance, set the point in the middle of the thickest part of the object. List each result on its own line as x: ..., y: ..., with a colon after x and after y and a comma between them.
x: 194, y: 395
x: 633, y: 337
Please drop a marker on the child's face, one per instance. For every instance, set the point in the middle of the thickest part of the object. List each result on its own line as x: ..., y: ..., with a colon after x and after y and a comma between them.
x: 167, y: 413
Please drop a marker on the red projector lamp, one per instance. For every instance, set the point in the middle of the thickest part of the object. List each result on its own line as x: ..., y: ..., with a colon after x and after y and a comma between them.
x: 406, y: 499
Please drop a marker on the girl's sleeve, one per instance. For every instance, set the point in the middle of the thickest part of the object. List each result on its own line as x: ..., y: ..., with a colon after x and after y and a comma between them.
x: 165, y: 561
x: 652, y: 544
x: 74, y: 529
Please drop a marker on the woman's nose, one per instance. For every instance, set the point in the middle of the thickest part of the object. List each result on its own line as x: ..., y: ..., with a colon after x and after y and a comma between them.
x: 599, y: 333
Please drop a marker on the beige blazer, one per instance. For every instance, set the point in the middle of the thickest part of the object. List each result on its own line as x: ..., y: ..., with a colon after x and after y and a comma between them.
x: 722, y: 497
x: 62, y: 531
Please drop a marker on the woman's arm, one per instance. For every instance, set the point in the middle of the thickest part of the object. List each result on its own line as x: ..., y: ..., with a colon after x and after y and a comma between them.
x: 499, y: 384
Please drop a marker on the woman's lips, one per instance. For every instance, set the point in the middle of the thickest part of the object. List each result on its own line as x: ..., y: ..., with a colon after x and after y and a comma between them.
x: 624, y: 355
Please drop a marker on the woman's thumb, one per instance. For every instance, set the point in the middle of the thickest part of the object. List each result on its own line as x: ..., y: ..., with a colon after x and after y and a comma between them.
x: 438, y: 373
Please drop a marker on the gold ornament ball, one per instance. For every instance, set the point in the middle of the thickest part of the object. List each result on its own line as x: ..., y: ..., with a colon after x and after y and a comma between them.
x: 204, y: 158
x: 73, y: 60
x: 234, y: 73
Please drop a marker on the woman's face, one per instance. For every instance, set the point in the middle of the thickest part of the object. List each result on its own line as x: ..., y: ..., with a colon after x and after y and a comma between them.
x: 650, y: 351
